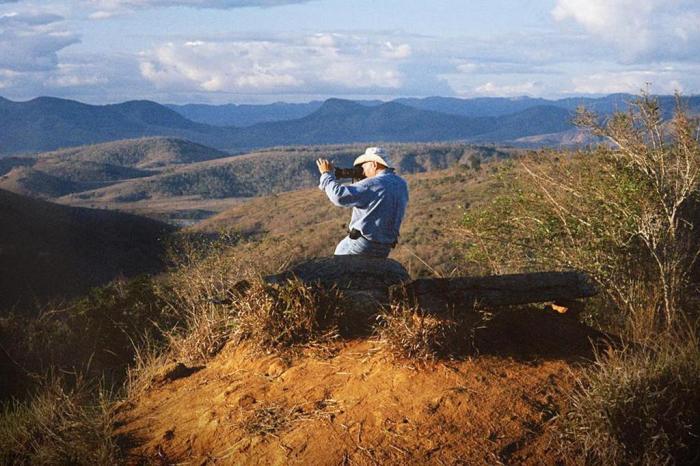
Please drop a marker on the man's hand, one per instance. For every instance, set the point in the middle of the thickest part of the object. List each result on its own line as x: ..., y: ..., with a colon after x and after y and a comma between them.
x: 324, y: 166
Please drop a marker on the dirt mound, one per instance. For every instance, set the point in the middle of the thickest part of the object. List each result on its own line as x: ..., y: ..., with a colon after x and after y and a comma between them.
x: 361, y: 406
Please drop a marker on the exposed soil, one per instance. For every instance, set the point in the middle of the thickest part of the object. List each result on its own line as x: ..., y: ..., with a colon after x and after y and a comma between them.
x: 359, y: 405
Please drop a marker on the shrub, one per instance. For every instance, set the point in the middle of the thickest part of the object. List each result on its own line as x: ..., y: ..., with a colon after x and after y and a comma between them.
x: 59, y: 426
x: 103, y: 325
x: 640, y: 406
x: 408, y: 332
x: 625, y: 213
x: 198, y: 293
x: 279, y: 317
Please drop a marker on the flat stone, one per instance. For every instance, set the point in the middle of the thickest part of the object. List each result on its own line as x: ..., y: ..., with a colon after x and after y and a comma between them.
x: 371, y: 275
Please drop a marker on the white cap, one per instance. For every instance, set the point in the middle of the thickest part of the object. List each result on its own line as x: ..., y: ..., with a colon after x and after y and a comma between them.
x: 373, y: 154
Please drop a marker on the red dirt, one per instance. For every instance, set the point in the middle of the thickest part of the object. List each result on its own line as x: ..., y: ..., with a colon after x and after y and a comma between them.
x: 361, y: 406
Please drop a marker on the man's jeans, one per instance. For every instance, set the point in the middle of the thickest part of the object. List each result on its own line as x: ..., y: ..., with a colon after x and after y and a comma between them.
x: 362, y: 247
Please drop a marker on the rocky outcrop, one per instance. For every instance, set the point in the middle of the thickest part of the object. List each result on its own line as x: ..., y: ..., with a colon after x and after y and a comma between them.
x: 354, y: 275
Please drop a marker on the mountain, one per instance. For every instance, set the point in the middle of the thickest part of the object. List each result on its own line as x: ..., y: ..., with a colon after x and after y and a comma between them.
x: 476, y: 107
x: 244, y: 115
x: 500, y: 106
x: 47, y: 123
x: 341, y: 121
x: 543, y: 119
x: 247, y: 115
x: 54, y: 251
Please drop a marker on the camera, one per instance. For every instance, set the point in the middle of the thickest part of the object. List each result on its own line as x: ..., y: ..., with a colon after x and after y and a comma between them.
x: 355, y: 173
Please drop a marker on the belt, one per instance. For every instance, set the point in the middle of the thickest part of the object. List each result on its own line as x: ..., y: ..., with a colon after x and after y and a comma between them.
x: 356, y: 234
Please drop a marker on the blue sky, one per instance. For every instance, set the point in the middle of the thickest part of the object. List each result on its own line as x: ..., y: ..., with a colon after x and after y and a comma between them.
x: 259, y: 51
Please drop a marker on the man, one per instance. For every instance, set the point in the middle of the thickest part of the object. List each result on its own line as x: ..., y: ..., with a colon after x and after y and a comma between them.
x: 378, y: 201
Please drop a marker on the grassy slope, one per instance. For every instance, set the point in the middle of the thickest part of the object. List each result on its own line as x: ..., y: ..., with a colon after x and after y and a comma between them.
x: 304, y: 223
x: 57, y: 173
x: 263, y: 173
x: 49, y: 250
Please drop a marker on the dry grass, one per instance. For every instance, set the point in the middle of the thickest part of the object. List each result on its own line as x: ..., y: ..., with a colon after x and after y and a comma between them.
x: 408, y: 332
x: 279, y: 317
x: 271, y: 419
x: 60, y: 425
x: 640, y: 405
x: 199, y: 292
x: 268, y: 420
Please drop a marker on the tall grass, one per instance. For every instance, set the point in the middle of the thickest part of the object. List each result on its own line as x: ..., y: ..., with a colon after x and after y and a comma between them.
x: 280, y: 317
x: 627, y: 213
x: 62, y: 424
x: 640, y: 405
x: 409, y: 333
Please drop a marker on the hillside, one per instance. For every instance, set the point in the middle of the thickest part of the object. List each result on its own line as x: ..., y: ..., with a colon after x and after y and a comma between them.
x: 352, y: 401
x: 232, y: 367
x: 54, y: 174
x: 267, y: 172
x: 146, y: 153
x: 302, y: 224
x: 53, y: 251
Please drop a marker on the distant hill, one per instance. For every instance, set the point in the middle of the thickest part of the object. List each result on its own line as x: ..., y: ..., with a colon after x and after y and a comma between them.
x: 31, y: 182
x: 244, y: 115
x: 247, y: 115
x: 54, y: 251
x: 342, y: 121
x: 45, y: 124
x: 54, y: 174
x: 145, y: 153
x: 275, y: 171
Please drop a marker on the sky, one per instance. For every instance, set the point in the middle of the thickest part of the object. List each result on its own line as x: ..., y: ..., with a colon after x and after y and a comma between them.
x: 262, y: 51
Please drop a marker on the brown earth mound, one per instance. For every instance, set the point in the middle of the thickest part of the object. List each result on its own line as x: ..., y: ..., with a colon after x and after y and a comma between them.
x: 361, y: 406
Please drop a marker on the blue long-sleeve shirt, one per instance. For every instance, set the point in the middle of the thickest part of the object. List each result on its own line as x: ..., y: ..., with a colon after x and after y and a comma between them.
x: 378, y: 203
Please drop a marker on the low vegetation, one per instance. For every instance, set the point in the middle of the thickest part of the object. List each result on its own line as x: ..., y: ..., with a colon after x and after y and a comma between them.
x: 279, y: 317
x: 410, y: 333
x: 60, y: 424
x: 626, y: 213
x: 639, y: 406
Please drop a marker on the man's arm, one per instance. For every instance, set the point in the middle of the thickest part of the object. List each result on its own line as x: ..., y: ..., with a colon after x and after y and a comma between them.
x: 341, y: 195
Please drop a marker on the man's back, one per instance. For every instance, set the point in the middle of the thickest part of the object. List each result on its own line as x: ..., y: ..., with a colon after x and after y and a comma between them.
x: 380, y: 218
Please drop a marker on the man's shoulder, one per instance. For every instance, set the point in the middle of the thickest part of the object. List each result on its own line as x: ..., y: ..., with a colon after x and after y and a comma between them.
x: 392, y: 177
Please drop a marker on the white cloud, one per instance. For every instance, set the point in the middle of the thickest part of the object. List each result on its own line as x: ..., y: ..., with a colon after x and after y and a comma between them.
x: 632, y: 81
x: 30, y: 41
x: 506, y: 90
x: 328, y: 61
x: 639, y: 29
